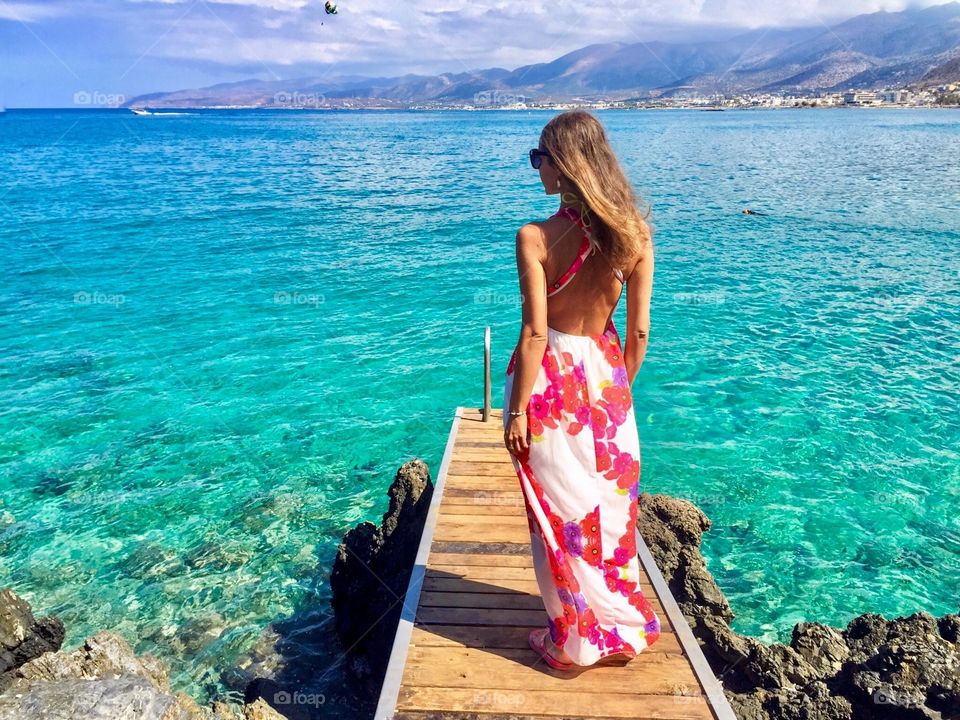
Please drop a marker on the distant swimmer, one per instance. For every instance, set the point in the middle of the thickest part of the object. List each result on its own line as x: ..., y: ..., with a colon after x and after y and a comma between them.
x: 748, y: 211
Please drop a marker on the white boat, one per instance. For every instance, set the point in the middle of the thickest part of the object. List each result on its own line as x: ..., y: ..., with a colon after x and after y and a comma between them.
x: 139, y: 111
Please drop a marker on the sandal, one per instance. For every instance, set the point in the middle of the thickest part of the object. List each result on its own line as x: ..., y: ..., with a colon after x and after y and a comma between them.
x: 541, y: 649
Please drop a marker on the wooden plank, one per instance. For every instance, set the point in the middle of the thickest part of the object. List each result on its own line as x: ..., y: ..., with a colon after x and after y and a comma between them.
x: 506, y: 532
x: 507, y: 492
x: 457, y: 704
x: 452, y: 558
x: 515, y: 509
x: 486, y: 484
x: 486, y: 469
x: 460, y: 533
x: 505, y: 636
x: 474, y: 547
x: 492, y: 524
x: 490, y: 499
x: 481, y: 596
x: 481, y: 520
x: 452, y: 581
x: 489, y: 452
x: 521, y: 669
x: 463, y: 616
x: 486, y: 600
x: 480, y: 572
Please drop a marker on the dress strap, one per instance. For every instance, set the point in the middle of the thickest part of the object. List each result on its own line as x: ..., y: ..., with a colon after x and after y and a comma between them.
x: 582, y: 253
x: 585, y: 246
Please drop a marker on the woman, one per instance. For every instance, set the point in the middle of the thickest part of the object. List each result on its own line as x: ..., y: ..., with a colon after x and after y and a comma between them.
x: 568, y: 412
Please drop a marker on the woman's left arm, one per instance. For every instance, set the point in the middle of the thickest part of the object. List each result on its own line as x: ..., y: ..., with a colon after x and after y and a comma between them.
x: 533, y: 331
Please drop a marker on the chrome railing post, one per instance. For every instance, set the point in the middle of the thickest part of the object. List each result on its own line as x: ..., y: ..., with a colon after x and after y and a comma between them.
x: 486, y: 374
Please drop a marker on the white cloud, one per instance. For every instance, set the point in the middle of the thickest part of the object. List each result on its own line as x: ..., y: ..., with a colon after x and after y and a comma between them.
x: 394, y: 37
x: 29, y: 12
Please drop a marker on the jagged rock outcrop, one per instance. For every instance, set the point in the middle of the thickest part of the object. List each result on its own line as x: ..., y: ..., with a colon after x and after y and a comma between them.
x: 103, y: 680
x: 371, y: 573
x: 23, y: 637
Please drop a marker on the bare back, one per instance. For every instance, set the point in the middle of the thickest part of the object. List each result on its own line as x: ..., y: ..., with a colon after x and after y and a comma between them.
x: 585, y: 305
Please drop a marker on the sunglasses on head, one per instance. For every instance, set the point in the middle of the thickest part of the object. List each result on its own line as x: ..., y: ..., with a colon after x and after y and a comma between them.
x: 536, y: 157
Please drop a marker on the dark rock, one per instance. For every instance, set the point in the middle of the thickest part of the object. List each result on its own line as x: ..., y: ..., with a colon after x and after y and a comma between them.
x: 371, y: 573
x: 814, y: 703
x: 672, y: 529
x: 908, y: 665
x: 22, y: 637
x: 949, y: 627
x: 821, y: 646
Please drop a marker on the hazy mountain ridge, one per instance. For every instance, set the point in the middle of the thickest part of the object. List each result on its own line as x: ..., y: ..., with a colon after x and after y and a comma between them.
x: 866, y: 51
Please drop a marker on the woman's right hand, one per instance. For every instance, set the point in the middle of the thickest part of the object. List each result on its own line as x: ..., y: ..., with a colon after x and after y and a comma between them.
x: 516, y: 435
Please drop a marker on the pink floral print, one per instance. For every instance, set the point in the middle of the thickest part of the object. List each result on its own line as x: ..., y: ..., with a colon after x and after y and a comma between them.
x: 580, y: 479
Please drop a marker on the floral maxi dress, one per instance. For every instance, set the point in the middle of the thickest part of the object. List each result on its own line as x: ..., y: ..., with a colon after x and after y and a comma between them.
x: 580, y: 478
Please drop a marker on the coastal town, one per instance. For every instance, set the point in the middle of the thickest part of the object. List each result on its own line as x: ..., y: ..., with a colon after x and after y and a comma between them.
x: 944, y: 95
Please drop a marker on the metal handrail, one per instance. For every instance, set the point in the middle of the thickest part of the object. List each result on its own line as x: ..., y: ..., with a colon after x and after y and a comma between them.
x: 486, y: 374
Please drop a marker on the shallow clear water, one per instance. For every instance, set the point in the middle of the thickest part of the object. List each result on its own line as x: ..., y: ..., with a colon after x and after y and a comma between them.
x: 223, y: 332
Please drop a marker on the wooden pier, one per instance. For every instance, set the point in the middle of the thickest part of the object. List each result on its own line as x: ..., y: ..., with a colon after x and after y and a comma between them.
x: 461, y: 645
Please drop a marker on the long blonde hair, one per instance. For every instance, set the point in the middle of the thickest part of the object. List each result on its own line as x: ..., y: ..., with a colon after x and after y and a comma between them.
x: 579, y: 148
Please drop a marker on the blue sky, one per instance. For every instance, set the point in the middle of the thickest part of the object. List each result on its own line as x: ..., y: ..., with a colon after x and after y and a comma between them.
x: 107, y: 50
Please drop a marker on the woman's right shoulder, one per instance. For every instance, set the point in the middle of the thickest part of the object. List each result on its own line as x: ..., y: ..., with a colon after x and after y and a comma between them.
x: 545, y: 227
x: 531, y: 239
x: 536, y: 230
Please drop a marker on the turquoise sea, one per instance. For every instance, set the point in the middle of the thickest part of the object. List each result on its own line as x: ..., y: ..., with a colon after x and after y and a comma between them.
x: 223, y: 332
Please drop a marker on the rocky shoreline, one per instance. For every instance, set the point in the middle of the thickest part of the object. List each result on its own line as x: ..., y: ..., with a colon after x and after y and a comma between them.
x: 874, y: 669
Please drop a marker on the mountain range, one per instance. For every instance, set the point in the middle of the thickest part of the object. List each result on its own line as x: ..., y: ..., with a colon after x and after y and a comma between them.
x: 883, y: 49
